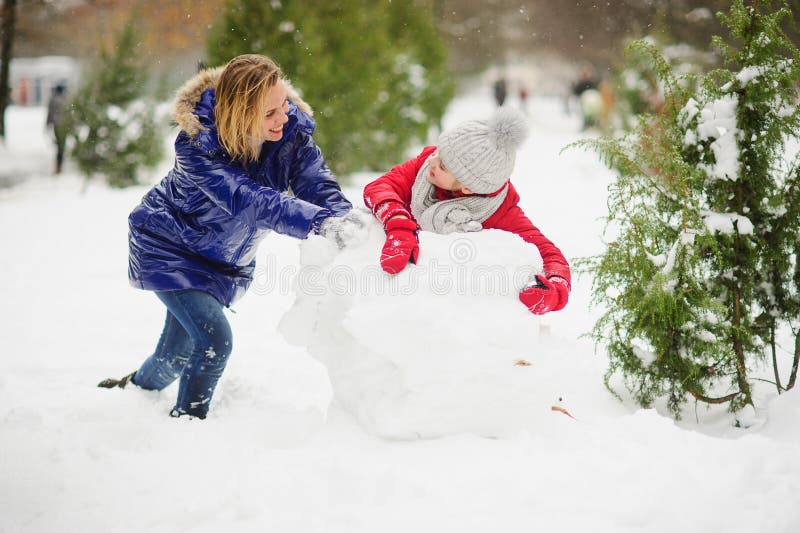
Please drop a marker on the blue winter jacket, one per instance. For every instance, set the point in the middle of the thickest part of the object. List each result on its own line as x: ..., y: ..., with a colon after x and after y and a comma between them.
x: 200, y: 227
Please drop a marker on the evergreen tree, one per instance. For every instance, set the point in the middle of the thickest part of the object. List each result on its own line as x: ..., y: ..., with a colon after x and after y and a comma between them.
x: 7, y: 23
x: 374, y: 72
x: 113, y: 125
x: 637, y: 90
x: 703, y: 266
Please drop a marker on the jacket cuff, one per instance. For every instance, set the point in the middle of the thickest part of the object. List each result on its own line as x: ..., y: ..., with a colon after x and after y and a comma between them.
x: 321, y: 217
x: 559, y: 272
x: 388, y: 209
x: 408, y: 224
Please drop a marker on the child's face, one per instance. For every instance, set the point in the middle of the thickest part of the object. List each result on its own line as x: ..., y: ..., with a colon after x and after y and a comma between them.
x: 439, y: 175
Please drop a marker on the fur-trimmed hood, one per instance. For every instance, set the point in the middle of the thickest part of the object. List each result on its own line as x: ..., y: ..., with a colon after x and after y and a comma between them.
x: 189, y: 95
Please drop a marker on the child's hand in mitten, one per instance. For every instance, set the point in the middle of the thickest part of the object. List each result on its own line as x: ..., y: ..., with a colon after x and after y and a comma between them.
x: 401, y: 244
x: 543, y: 294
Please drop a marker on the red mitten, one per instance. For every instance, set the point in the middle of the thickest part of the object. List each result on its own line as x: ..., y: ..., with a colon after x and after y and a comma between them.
x: 401, y: 244
x: 545, y: 294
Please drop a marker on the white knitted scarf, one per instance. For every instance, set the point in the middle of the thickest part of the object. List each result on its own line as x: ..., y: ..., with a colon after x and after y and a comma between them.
x: 463, y: 214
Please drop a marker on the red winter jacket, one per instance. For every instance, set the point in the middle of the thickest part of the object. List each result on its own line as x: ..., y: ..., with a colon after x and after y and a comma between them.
x: 391, y: 193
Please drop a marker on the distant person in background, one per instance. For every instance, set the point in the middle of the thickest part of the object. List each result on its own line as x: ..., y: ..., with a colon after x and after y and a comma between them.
x: 585, y: 82
x: 590, y: 102
x: 245, y: 141
x: 500, y: 91
x: 607, y: 97
x: 523, y: 97
x: 22, y: 92
x: 57, y: 121
x: 462, y: 185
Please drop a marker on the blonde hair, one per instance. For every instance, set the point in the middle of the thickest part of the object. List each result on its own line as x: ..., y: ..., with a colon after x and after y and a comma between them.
x: 241, y: 95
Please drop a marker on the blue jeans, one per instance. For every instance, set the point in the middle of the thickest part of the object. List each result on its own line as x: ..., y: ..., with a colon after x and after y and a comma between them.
x: 194, y: 345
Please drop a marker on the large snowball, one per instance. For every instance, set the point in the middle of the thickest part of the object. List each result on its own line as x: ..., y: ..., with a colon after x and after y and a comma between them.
x: 440, y: 348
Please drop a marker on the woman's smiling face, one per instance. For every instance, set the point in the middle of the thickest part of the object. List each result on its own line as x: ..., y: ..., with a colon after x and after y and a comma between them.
x: 276, y: 107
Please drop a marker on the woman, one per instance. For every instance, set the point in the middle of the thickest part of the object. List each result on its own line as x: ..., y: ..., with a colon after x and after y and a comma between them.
x: 245, y: 140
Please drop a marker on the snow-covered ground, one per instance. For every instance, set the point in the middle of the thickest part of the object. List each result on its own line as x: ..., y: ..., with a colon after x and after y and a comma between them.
x: 279, y: 453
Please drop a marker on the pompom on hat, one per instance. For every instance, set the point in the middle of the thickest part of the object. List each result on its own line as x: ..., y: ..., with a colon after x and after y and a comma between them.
x: 481, y: 153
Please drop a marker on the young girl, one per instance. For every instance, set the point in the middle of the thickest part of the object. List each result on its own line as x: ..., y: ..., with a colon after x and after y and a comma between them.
x: 463, y: 185
x: 245, y: 140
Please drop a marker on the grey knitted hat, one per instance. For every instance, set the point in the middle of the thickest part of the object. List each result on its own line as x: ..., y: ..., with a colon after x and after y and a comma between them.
x: 481, y: 153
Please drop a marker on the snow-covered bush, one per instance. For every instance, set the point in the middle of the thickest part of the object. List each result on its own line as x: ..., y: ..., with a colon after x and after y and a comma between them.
x: 702, y: 268
x: 113, y: 125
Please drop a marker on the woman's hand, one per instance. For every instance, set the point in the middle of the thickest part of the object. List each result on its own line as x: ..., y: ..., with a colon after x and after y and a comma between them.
x: 345, y: 230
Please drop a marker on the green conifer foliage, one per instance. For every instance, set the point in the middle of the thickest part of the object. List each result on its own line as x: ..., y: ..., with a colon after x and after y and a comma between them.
x: 113, y: 124
x: 702, y: 265
x: 374, y: 72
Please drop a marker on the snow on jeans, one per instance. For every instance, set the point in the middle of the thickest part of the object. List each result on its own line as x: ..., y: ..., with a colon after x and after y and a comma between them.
x: 194, y: 345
